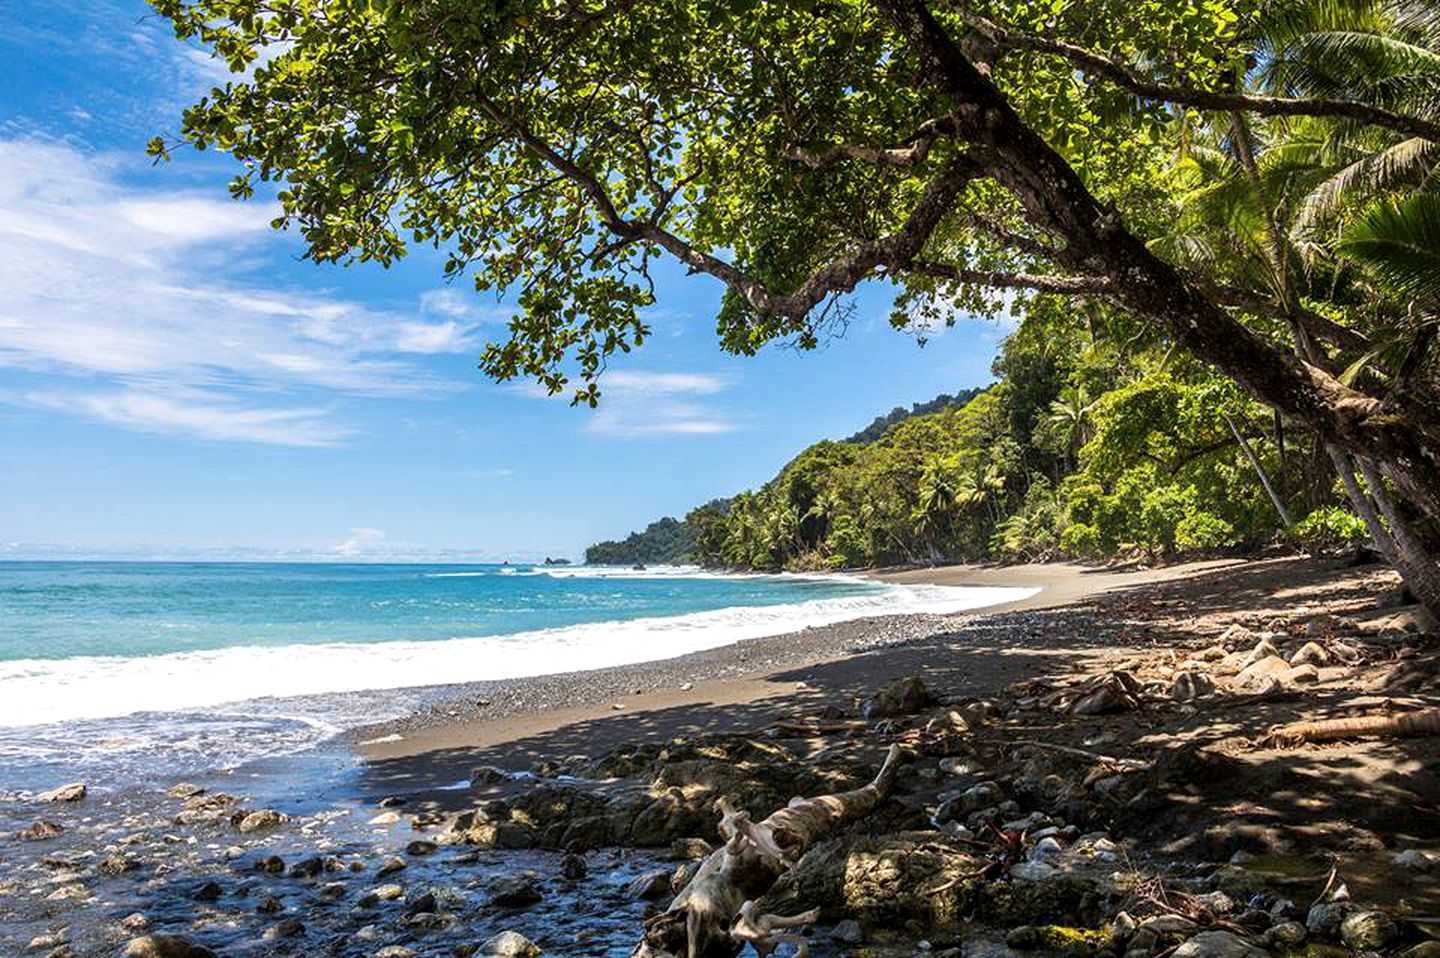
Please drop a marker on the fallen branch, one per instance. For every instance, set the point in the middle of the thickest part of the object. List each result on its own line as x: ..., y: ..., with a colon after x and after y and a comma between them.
x: 1403, y: 725
x: 698, y: 923
x: 1133, y: 764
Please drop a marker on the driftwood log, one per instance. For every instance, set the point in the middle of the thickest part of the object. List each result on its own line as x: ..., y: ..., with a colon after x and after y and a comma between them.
x: 1396, y: 725
x: 714, y: 915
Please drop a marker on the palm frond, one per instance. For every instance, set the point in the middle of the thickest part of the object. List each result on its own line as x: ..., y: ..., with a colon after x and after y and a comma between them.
x: 1398, y: 241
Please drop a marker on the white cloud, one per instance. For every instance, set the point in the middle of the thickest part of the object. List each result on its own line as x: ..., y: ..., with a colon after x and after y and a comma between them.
x: 635, y: 404
x: 447, y: 337
x: 140, y: 290
x: 198, y: 414
x: 360, y: 540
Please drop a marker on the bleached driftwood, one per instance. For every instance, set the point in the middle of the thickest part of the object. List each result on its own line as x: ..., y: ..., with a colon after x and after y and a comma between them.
x: 1397, y: 725
x: 709, y: 918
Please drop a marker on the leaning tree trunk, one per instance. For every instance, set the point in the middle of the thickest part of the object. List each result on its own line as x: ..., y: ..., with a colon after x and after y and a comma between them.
x: 702, y: 920
x: 1400, y: 435
x: 1418, y: 569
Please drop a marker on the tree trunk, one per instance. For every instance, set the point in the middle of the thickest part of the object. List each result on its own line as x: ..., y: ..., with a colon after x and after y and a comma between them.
x: 1285, y: 519
x: 1419, y: 570
x: 1400, y: 436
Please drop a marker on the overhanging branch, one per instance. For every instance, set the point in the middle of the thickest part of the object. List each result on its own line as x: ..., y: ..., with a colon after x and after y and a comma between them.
x: 1148, y: 88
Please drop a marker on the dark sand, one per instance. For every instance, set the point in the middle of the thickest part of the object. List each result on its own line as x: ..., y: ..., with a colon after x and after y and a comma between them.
x: 516, y: 724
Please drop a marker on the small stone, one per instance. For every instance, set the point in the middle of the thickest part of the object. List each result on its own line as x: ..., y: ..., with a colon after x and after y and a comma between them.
x: 307, y: 867
x: 117, y: 864
x: 1369, y: 930
x: 1175, y: 926
x: 847, y: 932
x: 488, y: 775
x: 65, y: 793
x: 270, y: 865
x: 652, y: 884
x: 1417, y: 861
x: 135, y: 921
x: 53, y: 940
x: 166, y: 946
x: 901, y: 697
x: 420, y: 848
x: 264, y: 818
x: 392, y: 801
x: 395, y: 951
x: 388, y: 892
x: 1311, y: 653
x: 1287, y: 934
x: 270, y: 905
x: 1218, y: 944
x: 39, y: 832
x: 1032, y: 871
x: 184, y: 790
x: 510, y: 944
x: 1047, y: 849
x: 1189, y: 686
x: 390, y: 866
x: 573, y: 868
x: 333, y: 891
x: 1301, y: 675
x: 209, y: 891
x: 289, y: 928
x: 1323, y: 920
x: 386, y: 818
x: 515, y: 893
x: 687, y: 686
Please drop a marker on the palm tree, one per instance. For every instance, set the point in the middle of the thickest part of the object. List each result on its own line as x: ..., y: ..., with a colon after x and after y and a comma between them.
x: 1070, y: 415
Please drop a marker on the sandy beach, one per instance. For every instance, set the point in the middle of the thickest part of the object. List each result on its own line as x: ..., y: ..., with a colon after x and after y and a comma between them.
x: 736, y: 687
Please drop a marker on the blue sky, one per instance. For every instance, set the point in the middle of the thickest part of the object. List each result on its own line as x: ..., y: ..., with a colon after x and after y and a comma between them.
x: 174, y: 380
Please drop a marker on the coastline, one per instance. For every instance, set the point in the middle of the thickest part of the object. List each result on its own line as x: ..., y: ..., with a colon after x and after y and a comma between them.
x: 736, y: 686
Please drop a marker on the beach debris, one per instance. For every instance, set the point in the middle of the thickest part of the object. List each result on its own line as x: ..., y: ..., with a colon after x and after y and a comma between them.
x: 902, y: 696
x: 697, y: 923
x: 765, y: 933
x: 166, y: 946
x: 1416, y: 724
x: 73, y: 792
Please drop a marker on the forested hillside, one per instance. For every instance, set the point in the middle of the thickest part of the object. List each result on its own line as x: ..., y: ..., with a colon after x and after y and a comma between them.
x: 1082, y: 448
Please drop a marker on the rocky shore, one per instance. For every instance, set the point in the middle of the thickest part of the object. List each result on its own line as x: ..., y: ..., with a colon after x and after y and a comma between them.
x: 1144, y: 774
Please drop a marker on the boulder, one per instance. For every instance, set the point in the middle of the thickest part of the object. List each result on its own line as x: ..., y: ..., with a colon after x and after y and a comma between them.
x: 900, y: 697
x: 1117, y: 693
x: 1311, y: 653
x: 166, y: 946
x: 65, y: 793
x: 1323, y: 920
x: 573, y: 867
x: 1368, y: 930
x: 510, y: 944
x: 1255, y: 673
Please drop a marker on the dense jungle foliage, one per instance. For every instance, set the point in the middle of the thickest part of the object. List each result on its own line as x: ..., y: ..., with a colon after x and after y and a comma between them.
x: 1081, y: 449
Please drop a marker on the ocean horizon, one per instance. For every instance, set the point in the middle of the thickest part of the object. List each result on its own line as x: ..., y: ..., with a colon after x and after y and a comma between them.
x: 111, y: 670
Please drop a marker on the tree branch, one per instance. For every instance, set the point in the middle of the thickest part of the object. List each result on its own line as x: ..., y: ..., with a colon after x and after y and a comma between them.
x: 1150, y: 89
x: 1065, y: 285
x: 915, y: 148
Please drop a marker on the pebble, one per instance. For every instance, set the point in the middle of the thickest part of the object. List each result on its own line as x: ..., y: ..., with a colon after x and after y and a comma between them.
x: 389, y: 866
x: 515, y: 893
x: 166, y: 946
x: 264, y: 818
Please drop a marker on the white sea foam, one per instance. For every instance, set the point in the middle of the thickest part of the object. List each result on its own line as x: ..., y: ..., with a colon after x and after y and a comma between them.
x: 36, y: 692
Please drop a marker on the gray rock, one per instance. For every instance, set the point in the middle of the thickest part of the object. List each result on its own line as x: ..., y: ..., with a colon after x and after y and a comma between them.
x: 166, y: 946
x: 1218, y: 944
x: 39, y: 832
x: 264, y: 818
x: 516, y: 893
x: 1323, y: 920
x: 289, y: 928
x: 1287, y: 934
x: 483, y: 775
x: 652, y: 884
x: 847, y: 932
x: 1032, y: 871
x: 65, y: 793
x: 900, y: 697
x: 1417, y: 860
x: 510, y: 944
x: 573, y: 867
x: 1368, y: 930
x: 390, y: 866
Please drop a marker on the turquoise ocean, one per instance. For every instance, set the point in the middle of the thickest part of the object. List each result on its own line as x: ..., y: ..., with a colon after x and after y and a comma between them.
x: 118, y: 671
